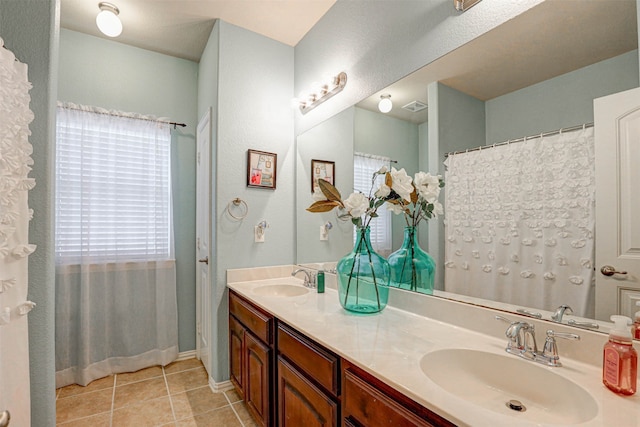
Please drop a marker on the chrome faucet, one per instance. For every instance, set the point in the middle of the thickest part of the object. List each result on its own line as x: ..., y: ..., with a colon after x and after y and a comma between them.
x: 522, y: 342
x: 309, y: 278
x: 560, y: 311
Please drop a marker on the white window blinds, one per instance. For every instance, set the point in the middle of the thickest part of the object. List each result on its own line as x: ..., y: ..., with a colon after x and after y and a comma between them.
x: 364, y: 165
x: 113, y: 188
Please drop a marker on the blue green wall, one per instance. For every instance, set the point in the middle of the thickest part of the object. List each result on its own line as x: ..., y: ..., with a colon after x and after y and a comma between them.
x: 251, y: 103
x: 563, y: 101
x: 104, y: 73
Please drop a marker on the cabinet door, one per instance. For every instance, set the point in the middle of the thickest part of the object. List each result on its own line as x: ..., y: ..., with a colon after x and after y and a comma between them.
x: 300, y: 403
x: 236, y: 354
x: 257, y: 379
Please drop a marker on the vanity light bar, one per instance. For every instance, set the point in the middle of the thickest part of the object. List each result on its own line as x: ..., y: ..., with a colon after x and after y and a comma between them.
x: 462, y: 5
x: 324, y: 92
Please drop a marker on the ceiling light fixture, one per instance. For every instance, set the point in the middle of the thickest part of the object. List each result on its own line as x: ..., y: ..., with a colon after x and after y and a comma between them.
x: 385, y: 105
x: 462, y: 5
x: 108, y: 21
x: 320, y: 92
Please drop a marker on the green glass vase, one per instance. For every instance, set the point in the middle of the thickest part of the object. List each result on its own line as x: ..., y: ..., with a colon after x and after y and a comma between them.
x: 363, y: 277
x: 411, y: 267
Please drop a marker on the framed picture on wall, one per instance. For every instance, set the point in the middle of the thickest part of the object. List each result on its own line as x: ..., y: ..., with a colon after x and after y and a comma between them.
x: 261, y: 169
x: 322, y: 169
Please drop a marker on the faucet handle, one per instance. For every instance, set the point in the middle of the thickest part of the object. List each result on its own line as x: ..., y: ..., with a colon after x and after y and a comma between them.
x: 550, y: 351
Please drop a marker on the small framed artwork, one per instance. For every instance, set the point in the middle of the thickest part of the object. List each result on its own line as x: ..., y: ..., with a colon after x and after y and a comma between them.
x: 322, y: 169
x: 261, y: 169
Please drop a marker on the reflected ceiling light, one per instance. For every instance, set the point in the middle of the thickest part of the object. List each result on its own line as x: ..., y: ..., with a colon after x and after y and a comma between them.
x: 385, y: 105
x: 462, y: 5
x: 320, y: 92
x: 108, y: 21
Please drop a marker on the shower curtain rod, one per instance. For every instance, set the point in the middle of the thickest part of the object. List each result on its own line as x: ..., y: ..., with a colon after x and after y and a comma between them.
x: 540, y: 135
x: 109, y: 113
x: 373, y: 156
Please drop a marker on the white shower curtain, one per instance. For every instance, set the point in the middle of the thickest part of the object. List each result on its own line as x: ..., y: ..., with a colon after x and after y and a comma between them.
x: 116, y: 308
x: 519, y: 222
x: 15, y: 165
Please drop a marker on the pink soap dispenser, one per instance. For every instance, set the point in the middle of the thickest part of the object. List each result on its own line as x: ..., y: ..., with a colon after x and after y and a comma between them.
x: 620, y: 359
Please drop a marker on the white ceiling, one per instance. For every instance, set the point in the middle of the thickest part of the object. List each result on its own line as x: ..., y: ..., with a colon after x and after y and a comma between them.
x: 551, y: 39
x: 182, y: 28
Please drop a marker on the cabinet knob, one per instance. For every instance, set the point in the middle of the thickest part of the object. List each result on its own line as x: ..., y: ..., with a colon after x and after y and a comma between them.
x: 205, y: 260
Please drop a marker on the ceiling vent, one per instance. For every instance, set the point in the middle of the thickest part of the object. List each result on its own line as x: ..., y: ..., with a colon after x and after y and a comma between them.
x: 415, y: 106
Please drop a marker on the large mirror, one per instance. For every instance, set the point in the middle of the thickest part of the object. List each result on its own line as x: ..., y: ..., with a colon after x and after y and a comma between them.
x: 536, y: 73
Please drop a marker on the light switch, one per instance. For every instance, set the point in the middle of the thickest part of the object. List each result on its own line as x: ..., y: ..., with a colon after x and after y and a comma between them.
x: 324, y: 234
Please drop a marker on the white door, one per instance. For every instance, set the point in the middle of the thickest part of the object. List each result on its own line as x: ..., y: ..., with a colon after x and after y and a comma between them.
x: 203, y: 227
x: 617, y: 141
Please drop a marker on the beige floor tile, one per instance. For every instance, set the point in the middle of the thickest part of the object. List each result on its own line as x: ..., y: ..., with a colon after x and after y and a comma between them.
x: 129, y: 394
x: 245, y: 417
x: 102, y: 420
x: 224, y: 417
x: 83, y: 405
x: 233, y: 395
x: 187, y: 380
x: 149, y: 413
x: 74, y: 389
x: 182, y: 365
x: 142, y: 374
x: 197, y: 401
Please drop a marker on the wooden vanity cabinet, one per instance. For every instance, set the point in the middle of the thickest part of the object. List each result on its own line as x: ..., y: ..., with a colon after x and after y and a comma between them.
x: 251, y: 357
x: 368, y: 402
x: 308, y: 382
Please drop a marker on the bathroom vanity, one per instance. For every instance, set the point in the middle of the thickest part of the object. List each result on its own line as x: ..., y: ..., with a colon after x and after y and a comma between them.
x: 298, y: 359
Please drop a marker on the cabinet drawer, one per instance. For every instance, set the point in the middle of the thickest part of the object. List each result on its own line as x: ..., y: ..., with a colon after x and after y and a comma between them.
x: 368, y: 402
x: 254, y: 319
x: 317, y: 362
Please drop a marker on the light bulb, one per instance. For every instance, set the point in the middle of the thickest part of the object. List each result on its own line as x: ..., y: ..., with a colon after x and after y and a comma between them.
x: 108, y: 21
x: 385, y: 104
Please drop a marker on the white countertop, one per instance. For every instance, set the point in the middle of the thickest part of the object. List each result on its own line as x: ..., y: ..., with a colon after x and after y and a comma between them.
x: 391, y: 344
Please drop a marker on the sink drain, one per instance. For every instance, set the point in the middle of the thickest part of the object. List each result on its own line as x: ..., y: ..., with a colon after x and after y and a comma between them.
x: 515, y: 405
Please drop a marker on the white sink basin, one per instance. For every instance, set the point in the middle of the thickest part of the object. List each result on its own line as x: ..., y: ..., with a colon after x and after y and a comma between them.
x: 280, y: 290
x: 492, y: 381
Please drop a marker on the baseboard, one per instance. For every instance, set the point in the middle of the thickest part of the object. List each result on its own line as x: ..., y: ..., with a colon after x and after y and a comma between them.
x: 221, y: 386
x: 184, y: 355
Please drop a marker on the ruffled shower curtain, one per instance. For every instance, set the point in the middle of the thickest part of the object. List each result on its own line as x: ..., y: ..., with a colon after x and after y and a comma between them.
x: 15, y: 165
x: 519, y: 222
x: 116, y: 308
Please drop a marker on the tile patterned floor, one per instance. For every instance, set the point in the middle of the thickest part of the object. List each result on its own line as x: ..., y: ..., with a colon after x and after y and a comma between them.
x: 177, y: 395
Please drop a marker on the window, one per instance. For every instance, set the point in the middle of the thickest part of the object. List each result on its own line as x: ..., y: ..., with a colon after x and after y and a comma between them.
x: 364, y: 165
x: 113, y: 187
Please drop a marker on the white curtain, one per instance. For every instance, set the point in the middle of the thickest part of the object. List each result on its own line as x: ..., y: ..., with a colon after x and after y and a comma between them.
x: 15, y: 164
x: 116, y: 308
x: 519, y: 222
x: 364, y: 166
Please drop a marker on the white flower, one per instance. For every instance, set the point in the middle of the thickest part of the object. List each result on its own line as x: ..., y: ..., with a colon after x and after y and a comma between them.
x: 395, y: 208
x: 356, y: 204
x: 427, y: 186
x: 401, y: 183
x: 437, y: 208
x: 383, y: 191
x: 318, y: 196
x: 383, y: 169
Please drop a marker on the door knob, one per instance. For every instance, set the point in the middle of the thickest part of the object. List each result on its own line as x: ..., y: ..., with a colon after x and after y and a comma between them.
x: 608, y: 270
x: 5, y: 417
x: 205, y: 260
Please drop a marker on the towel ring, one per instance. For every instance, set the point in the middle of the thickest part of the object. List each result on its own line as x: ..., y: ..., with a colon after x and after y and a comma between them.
x: 238, y: 202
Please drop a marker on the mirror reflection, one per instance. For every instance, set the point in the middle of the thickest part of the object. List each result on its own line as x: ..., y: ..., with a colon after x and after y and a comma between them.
x: 537, y: 73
